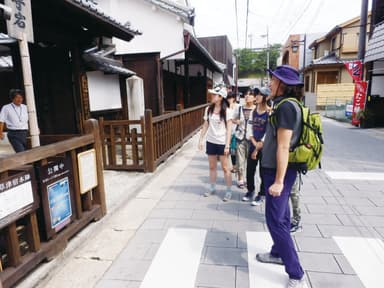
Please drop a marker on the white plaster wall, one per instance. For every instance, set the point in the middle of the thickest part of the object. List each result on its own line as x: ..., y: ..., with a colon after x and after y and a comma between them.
x: 162, y: 30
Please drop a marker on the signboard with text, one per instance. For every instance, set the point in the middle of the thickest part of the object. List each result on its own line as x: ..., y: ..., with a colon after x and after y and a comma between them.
x: 57, y: 190
x: 21, y: 19
x: 359, y: 100
x: 87, y: 170
x: 355, y: 69
x: 17, y: 197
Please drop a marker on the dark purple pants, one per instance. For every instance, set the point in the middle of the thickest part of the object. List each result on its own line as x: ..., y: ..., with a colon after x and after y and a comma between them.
x: 277, y: 215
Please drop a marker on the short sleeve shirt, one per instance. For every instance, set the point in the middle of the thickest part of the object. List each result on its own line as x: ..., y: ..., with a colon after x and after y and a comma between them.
x: 217, y: 130
x: 288, y: 116
x: 16, y: 117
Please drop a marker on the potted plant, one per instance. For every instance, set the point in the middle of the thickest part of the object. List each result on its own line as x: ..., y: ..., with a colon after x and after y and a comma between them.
x: 366, y: 118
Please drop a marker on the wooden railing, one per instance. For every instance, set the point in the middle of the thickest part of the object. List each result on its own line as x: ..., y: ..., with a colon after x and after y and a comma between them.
x: 31, y: 184
x: 142, y: 145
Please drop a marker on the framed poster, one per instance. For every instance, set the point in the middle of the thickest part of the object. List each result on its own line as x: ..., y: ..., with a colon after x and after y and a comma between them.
x: 18, y: 197
x: 59, y: 202
x: 87, y: 170
x: 56, y: 183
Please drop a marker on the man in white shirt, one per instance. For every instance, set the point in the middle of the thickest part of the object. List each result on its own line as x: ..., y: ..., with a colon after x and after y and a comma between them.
x: 15, y: 116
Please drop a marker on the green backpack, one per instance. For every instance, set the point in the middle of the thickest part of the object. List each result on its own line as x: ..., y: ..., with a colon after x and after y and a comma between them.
x: 306, y: 154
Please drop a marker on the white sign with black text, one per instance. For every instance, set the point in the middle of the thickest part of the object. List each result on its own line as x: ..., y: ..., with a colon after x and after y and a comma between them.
x: 21, y: 19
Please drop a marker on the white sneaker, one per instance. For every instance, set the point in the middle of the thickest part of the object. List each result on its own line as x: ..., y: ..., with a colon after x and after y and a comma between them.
x: 293, y: 283
x: 209, y: 193
x: 227, y: 197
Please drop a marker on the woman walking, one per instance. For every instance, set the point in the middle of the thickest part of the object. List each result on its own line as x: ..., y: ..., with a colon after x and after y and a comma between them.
x: 283, y: 132
x: 233, y: 106
x: 257, y: 126
x: 218, y: 127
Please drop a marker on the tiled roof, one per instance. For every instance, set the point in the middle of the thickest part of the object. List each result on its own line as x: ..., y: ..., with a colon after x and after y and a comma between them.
x: 375, y: 50
x: 184, y: 12
x: 327, y: 60
x: 105, y: 64
x: 93, y: 9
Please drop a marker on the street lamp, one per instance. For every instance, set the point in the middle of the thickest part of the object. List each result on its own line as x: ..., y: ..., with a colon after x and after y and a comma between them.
x: 295, y: 45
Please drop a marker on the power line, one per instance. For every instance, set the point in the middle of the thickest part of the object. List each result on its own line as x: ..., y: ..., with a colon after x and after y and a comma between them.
x: 246, y: 25
x: 297, y: 20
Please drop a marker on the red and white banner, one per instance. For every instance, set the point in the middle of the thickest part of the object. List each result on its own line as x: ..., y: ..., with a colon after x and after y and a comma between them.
x: 359, y: 100
x: 355, y: 69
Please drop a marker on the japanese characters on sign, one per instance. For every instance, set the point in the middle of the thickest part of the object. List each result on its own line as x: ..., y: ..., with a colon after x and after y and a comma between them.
x: 21, y: 19
x: 56, y: 183
x: 359, y: 100
x: 16, y: 196
x: 355, y: 69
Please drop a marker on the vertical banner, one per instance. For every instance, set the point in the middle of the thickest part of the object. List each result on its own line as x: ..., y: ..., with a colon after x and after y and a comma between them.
x: 355, y: 69
x: 359, y: 100
x: 21, y: 19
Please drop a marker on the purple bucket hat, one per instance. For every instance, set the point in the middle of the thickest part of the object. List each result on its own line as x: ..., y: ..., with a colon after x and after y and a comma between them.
x: 288, y: 75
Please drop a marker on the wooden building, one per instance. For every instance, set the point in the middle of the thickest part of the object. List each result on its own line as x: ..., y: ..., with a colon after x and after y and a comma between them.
x: 63, y: 31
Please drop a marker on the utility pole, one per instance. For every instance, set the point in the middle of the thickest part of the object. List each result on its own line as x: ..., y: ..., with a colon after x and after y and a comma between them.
x: 363, y: 29
x: 268, y: 67
x: 250, y: 40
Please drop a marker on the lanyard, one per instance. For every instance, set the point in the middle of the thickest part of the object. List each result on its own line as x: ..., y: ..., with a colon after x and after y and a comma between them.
x: 18, y: 114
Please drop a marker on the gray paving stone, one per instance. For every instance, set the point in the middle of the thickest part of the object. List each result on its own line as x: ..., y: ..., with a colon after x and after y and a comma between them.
x: 317, y: 245
x: 313, y: 199
x: 216, y: 215
x: 321, y: 219
x: 216, y: 276
x: 327, y: 280
x: 166, y: 204
x: 368, y: 221
x: 329, y: 209
x: 344, y: 265
x: 380, y: 231
x: 237, y: 226
x: 242, y: 277
x: 361, y: 201
x: 329, y: 231
x: 188, y: 223
x: 226, y: 256
x: 148, y: 237
x: 221, y: 239
x: 118, y: 284
x: 370, y: 211
x: 153, y: 224
x: 309, y: 230
x: 319, y: 262
x: 129, y: 270
x: 171, y: 213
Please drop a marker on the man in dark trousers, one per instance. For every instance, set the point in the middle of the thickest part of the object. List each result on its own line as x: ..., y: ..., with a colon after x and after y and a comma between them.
x: 15, y: 116
x: 283, y: 131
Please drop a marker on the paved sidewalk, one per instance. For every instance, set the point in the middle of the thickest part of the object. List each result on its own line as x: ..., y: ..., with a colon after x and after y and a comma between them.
x: 121, y: 254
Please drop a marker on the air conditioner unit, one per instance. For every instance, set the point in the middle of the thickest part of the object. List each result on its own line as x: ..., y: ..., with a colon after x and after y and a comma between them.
x: 326, y: 52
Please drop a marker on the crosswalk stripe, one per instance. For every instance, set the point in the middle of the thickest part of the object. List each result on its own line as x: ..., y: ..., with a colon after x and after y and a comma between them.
x: 366, y: 256
x: 358, y: 176
x: 263, y: 275
x: 177, y: 262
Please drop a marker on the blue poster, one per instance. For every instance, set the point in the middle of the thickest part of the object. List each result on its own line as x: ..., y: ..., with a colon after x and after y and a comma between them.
x: 59, y: 201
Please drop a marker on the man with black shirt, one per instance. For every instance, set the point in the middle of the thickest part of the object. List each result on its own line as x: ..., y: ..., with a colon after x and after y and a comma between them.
x: 283, y: 131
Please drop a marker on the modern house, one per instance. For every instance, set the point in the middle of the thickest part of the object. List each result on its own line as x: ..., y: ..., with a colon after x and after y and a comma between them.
x: 374, y: 60
x: 326, y: 77
x: 174, y: 65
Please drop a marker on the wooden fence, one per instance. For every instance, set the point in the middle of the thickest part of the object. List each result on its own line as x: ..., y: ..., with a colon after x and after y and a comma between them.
x: 30, y: 184
x: 142, y: 145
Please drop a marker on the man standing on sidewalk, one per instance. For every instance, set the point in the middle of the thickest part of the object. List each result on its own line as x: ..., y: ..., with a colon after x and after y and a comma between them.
x: 15, y: 116
x: 283, y: 131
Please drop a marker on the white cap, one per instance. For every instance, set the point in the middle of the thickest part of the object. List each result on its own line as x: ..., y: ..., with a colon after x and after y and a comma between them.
x: 221, y: 91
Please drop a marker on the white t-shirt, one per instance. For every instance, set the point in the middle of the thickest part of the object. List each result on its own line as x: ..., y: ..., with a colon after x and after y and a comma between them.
x: 16, y: 117
x: 217, y: 130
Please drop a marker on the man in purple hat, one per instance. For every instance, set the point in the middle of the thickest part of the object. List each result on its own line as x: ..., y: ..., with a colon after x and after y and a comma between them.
x: 283, y: 132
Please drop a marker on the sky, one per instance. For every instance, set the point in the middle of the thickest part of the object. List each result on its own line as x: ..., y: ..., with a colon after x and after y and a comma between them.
x: 282, y: 17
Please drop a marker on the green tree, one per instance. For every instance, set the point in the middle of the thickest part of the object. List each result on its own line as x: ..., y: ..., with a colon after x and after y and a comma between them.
x: 254, y: 62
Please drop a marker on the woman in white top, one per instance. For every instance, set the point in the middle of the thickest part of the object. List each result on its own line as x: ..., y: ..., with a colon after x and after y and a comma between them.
x: 218, y: 127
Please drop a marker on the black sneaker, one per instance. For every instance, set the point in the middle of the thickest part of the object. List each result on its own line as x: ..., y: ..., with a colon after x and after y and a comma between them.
x: 247, y: 197
x: 258, y: 200
x: 296, y: 227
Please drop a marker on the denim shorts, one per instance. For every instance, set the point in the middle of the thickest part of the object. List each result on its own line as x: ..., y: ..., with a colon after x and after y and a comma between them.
x: 215, y: 149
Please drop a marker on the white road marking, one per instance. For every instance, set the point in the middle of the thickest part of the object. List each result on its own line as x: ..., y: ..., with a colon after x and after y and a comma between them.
x: 177, y: 262
x: 339, y: 175
x: 366, y: 256
x: 260, y: 274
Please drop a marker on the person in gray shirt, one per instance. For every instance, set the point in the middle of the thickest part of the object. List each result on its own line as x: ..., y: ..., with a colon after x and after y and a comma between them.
x: 283, y: 132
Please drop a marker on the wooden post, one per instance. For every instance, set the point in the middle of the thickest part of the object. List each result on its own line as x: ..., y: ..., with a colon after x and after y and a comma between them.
x: 33, y: 232
x: 149, y: 145
x: 29, y: 93
x: 102, y: 139
x: 91, y: 127
x: 12, y: 243
x: 76, y: 184
x: 179, y: 108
